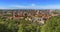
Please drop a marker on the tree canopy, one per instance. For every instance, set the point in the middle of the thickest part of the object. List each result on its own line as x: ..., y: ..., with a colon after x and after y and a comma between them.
x: 52, y: 25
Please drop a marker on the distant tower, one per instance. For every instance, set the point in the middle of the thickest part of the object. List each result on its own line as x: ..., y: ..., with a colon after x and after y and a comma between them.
x: 13, y: 12
x: 37, y: 12
x: 50, y: 11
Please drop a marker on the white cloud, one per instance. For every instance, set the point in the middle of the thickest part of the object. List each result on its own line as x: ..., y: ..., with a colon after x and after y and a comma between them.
x: 33, y: 6
x: 51, y: 7
x: 1, y: 7
x: 38, y: 7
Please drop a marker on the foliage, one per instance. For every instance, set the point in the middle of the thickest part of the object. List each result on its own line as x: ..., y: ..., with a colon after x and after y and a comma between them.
x: 52, y: 25
x: 27, y: 26
x: 7, y: 25
x: 13, y: 25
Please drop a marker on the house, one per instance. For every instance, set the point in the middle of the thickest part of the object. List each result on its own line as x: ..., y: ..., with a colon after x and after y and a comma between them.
x: 36, y: 19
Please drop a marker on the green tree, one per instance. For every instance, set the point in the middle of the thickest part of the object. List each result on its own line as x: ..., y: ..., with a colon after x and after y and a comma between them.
x: 52, y: 25
x: 28, y: 26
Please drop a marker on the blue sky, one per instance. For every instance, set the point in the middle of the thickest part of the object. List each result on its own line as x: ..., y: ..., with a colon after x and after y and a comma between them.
x: 30, y: 4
